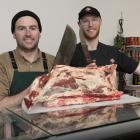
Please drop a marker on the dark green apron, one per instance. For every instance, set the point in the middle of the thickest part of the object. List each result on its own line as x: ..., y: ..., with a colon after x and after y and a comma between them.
x: 21, y: 80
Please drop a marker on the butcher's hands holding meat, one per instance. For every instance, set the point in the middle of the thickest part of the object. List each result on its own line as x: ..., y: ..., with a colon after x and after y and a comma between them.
x: 15, y: 100
x: 93, y: 64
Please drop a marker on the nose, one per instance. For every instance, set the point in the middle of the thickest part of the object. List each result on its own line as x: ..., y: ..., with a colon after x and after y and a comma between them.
x: 90, y: 23
x: 28, y: 32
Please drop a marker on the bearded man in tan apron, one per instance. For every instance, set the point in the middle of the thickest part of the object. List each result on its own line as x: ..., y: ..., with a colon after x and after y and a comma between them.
x: 18, y: 68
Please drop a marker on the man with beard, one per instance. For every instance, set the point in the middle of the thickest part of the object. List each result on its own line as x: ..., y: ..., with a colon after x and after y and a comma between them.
x: 90, y: 49
x: 19, y: 67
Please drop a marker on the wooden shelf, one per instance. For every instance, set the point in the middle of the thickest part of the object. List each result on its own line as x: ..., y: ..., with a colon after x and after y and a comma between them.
x: 133, y: 48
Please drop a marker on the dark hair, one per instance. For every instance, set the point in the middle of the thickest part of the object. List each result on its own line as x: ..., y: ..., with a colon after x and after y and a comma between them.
x: 22, y: 14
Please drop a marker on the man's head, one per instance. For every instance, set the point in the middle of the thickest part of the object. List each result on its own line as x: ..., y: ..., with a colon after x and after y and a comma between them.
x: 89, y: 22
x: 26, y: 29
x: 22, y: 14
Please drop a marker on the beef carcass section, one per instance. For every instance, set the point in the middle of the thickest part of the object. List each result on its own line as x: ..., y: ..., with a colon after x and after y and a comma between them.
x: 66, y: 85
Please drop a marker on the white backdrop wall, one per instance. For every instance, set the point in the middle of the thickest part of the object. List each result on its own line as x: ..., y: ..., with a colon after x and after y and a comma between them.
x: 56, y: 14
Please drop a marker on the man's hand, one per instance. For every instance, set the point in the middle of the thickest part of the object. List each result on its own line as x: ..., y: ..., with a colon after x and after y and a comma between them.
x: 137, y: 71
x: 11, y: 101
x: 92, y: 64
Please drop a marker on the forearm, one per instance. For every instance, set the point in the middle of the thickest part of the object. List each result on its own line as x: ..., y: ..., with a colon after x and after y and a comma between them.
x: 11, y: 101
x: 137, y: 71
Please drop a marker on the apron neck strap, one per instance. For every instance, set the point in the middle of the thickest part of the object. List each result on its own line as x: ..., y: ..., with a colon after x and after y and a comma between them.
x: 44, y: 61
x: 14, y: 64
x: 13, y: 61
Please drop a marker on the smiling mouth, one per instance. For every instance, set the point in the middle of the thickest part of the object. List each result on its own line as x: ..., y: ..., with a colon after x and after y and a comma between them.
x: 91, y: 30
x: 28, y: 40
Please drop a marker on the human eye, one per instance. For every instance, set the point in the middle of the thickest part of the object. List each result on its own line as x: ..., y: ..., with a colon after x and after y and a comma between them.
x: 95, y: 19
x: 21, y: 28
x: 85, y: 21
x: 34, y: 28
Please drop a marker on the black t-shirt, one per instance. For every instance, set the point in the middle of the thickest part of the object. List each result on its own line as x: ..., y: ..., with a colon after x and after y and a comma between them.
x: 105, y: 55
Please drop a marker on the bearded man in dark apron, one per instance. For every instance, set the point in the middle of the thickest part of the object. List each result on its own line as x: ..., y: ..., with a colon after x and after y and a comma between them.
x: 18, y: 68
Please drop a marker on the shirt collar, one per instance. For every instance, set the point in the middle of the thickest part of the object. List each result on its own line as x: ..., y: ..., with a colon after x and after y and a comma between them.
x: 22, y: 58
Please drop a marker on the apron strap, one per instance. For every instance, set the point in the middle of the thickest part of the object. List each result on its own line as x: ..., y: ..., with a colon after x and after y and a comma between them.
x: 44, y: 61
x: 13, y: 61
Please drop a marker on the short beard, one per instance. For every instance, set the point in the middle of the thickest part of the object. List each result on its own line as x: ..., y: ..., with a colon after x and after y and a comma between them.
x: 91, y: 38
x: 28, y: 50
